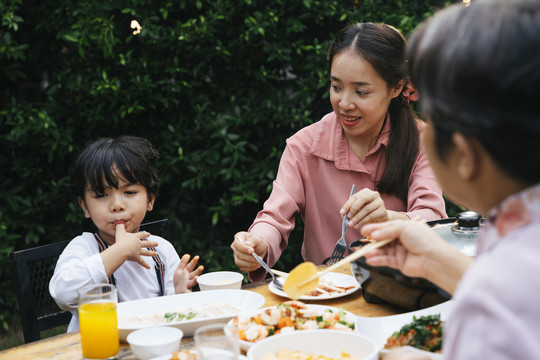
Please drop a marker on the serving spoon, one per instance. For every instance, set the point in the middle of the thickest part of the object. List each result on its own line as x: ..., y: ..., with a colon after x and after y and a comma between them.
x: 305, y: 276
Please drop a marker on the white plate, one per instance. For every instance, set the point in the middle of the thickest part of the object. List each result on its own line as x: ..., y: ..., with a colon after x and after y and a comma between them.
x: 336, y: 279
x: 245, y: 345
x: 379, y: 329
x: 167, y: 357
x: 241, y: 299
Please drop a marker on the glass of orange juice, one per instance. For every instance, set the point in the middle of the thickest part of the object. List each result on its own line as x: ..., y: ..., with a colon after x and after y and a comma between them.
x: 98, y: 321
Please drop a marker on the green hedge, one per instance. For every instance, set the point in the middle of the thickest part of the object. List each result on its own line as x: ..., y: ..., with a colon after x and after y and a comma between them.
x: 216, y: 85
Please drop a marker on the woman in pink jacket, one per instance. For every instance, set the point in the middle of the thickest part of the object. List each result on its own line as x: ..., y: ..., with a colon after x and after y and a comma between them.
x: 371, y: 140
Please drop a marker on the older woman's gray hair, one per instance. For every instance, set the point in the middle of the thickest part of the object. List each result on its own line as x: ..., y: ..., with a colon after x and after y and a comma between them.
x: 477, y: 70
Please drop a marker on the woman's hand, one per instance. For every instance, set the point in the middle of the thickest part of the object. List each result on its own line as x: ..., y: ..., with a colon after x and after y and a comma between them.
x: 243, y: 246
x: 417, y: 251
x: 416, y: 241
x: 185, y: 276
x: 366, y: 206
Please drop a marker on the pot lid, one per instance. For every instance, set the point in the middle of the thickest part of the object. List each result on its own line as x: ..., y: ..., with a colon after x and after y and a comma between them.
x: 462, y: 232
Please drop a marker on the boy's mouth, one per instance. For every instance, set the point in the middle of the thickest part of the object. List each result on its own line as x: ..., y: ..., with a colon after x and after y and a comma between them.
x: 119, y: 222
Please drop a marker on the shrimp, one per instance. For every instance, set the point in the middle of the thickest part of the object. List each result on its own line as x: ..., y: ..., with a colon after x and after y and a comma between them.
x: 295, y: 304
x: 310, y: 325
x: 331, y: 317
x: 287, y: 329
x: 309, y: 312
x: 256, y: 333
x: 271, y: 317
x: 339, y: 326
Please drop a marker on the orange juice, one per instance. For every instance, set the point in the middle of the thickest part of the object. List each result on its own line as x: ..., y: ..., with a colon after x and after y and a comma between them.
x: 99, y: 330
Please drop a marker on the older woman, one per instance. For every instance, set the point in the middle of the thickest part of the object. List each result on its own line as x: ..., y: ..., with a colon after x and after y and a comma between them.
x: 477, y: 70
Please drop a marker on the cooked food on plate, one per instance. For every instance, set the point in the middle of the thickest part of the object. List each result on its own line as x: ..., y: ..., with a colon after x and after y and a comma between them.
x: 183, y: 355
x: 424, y: 333
x: 288, y: 317
x: 284, y: 354
x: 325, y: 287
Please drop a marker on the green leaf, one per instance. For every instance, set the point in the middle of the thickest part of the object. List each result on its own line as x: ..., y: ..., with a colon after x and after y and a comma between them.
x: 71, y: 37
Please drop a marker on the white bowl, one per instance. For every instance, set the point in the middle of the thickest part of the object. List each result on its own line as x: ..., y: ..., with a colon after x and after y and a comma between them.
x: 329, y: 343
x: 220, y: 280
x: 154, y: 341
x: 379, y: 329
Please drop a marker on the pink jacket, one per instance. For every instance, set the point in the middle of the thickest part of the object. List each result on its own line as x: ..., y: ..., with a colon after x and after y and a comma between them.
x: 315, y: 176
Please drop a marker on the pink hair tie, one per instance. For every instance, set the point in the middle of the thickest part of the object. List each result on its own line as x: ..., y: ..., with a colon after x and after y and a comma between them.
x: 410, y: 93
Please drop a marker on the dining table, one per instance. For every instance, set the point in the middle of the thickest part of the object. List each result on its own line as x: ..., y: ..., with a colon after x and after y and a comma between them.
x: 68, y: 346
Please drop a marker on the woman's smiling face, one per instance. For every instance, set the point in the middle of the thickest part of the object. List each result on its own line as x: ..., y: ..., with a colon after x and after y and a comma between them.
x: 359, y: 95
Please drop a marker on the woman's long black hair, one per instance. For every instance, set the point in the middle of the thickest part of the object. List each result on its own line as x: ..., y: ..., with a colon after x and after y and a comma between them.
x: 384, y: 47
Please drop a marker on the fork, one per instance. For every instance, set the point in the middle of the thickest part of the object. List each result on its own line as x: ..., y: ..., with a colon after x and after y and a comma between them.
x: 275, y: 280
x: 341, y: 245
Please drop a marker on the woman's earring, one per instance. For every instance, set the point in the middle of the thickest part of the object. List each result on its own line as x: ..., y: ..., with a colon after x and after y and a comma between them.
x: 462, y: 169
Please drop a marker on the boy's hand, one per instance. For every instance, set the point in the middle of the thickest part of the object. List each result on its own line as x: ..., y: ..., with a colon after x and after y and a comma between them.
x: 185, y: 276
x: 132, y: 245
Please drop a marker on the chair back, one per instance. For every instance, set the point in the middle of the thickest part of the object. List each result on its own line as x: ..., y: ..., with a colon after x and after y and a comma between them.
x: 34, y: 269
x: 37, y: 309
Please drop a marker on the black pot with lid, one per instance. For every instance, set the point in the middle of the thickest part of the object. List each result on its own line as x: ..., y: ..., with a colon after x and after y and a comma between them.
x: 384, y: 284
x: 460, y: 232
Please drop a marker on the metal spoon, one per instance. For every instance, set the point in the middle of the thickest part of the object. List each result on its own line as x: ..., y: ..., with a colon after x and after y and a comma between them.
x: 275, y: 280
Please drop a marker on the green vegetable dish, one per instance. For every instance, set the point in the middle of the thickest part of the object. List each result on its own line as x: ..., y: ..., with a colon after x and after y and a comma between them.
x: 424, y: 333
x: 178, y: 316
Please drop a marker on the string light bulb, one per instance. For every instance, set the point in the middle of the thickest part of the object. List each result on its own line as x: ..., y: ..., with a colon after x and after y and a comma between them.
x: 136, y: 26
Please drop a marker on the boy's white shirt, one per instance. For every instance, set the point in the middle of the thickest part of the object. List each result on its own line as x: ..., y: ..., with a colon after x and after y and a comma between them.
x: 80, y: 264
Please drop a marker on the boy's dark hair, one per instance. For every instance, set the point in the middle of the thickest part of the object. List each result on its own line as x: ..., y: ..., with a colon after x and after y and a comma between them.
x: 134, y: 158
x: 477, y: 69
x: 384, y: 47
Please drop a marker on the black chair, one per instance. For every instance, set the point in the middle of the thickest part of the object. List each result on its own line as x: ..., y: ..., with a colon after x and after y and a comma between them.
x: 37, y: 309
x: 34, y: 269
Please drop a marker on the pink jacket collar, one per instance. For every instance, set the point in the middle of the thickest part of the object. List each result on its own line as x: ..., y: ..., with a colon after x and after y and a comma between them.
x: 330, y: 143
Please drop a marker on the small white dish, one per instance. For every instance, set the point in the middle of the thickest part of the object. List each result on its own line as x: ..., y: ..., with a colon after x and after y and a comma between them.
x: 168, y: 356
x: 324, y: 342
x: 333, y: 278
x: 154, y: 341
x: 220, y: 280
x: 379, y: 329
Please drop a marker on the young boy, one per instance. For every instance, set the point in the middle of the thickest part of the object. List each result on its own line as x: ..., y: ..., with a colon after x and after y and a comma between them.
x: 116, y: 182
